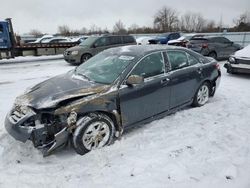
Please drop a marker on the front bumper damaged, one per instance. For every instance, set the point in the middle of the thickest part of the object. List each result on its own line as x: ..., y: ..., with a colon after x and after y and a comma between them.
x: 13, y: 124
x: 16, y: 126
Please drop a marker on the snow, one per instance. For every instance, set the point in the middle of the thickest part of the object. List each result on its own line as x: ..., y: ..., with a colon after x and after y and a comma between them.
x: 244, y: 53
x: 23, y: 59
x: 195, y: 147
x: 143, y: 40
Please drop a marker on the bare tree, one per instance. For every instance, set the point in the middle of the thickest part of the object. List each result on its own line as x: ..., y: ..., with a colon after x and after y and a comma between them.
x: 192, y: 22
x: 64, y: 30
x: 166, y: 19
x: 36, y: 33
x: 119, y: 28
x: 243, y: 18
x: 210, y: 26
x: 133, y: 28
x: 84, y: 30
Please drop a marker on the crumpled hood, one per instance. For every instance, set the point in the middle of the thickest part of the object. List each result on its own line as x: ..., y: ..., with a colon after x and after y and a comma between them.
x: 57, y: 89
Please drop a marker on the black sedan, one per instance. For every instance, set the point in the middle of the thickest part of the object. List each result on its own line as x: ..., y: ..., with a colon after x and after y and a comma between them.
x: 239, y: 62
x: 116, y: 89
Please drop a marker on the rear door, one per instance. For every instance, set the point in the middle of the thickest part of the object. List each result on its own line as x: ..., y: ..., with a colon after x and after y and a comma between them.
x: 185, y: 75
x: 145, y: 100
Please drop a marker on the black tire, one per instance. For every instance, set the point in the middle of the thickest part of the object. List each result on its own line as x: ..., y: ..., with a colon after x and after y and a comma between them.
x: 85, y: 57
x: 213, y: 55
x: 196, y: 101
x: 83, y: 135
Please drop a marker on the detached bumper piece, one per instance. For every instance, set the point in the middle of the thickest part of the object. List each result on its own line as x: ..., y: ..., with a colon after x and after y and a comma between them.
x: 23, y: 124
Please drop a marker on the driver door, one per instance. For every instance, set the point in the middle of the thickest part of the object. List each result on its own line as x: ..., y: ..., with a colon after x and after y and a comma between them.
x: 101, y: 44
x: 142, y: 101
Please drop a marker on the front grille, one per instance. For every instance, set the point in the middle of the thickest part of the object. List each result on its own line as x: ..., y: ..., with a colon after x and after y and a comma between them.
x: 16, y: 116
x: 243, y: 61
x: 19, y: 112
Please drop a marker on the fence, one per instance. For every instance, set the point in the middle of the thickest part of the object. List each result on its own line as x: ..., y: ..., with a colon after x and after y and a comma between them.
x: 242, y: 38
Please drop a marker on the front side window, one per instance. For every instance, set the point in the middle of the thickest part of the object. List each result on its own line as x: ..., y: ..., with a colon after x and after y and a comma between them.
x: 192, y: 60
x: 177, y: 59
x: 104, y: 41
x: 149, y: 66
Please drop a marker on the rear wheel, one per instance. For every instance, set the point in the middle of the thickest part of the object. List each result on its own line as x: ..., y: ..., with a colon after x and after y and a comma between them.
x: 85, y: 57
x: 202, y: 95
x: 213, y: 55
x: 93, y: 131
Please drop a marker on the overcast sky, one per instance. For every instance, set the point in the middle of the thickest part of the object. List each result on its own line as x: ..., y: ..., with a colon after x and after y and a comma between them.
x: 46, y: 15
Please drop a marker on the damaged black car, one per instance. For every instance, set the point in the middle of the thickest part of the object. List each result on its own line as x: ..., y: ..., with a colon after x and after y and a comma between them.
x: 116, y: 89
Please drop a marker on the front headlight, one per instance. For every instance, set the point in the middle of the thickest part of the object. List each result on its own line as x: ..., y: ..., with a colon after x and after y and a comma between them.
x: 231, y: 59
x: 74, y: 52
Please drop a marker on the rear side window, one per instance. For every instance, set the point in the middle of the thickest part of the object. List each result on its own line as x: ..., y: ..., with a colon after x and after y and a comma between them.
x: 198, y: 40
x: 115, y: 40
x: 128, y: 39
x: 221, y: 40
x: 177, y: 59
x: 149, y: 66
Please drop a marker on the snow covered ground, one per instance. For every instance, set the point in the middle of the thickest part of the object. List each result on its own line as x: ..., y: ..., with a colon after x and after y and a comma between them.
x: 23, y: 59
x: 196, y: 147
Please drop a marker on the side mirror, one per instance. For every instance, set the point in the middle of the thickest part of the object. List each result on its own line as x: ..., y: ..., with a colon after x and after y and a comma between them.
x: 94, y: 46
x: 134, y: 80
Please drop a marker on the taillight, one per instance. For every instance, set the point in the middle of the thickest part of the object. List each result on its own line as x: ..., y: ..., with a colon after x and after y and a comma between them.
x: 217, y: 66
x: 204, y: 45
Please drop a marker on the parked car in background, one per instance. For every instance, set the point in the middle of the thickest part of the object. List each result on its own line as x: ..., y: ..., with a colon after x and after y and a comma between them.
x: 239, y: 62
x: 213, y: 46
x: 95, y: 44
x: 57, y: 40
x: 184, y: 39
x: 40, y: 40
x: 143, y: 40
x: 79, y: 40
x: 164, y: 38
x: 116, y: 89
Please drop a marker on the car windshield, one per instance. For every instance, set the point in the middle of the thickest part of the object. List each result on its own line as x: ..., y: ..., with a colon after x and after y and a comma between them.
x: 104, y: 68
x: 89, y: 41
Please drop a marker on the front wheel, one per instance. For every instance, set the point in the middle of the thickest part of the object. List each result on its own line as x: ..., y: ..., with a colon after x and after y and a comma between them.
x: 202, y: 95
x: 85, y: 57
x: 93, y: 131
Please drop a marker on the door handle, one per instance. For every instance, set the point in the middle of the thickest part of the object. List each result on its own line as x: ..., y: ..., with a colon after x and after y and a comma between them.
x: 165, y: 81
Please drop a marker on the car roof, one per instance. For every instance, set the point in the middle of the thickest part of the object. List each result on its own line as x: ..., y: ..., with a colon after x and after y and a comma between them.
x: 140, y: 50
x: 206, y: 37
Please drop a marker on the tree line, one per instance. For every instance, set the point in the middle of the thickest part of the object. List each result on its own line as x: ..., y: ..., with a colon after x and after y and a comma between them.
x: 165, y: 19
